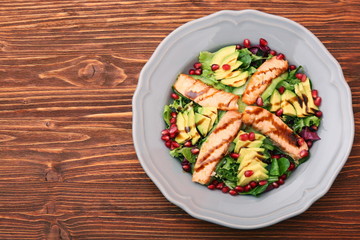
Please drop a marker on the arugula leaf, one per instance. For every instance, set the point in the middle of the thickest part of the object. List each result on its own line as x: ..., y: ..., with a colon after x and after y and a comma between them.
x: 226, y: 171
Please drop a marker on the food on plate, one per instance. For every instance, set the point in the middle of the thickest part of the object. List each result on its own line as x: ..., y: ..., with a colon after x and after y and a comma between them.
x: 242, y: 119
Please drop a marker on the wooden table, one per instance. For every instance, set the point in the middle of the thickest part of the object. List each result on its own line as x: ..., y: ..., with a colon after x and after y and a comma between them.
x: 68, y: 169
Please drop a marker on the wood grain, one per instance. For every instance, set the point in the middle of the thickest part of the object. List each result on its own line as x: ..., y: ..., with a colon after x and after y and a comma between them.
x: 68, y: 168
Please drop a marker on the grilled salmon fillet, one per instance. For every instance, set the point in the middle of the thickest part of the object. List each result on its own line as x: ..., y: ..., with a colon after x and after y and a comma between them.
x: 216, y: 146
x: 205, y: 95
x: 262, y: 78
x: 272, y: 126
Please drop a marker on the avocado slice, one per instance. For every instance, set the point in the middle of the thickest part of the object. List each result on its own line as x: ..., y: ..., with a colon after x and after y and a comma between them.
x: 193, y: 133
x: 237, y: 81
x: 181, y: 122
x: 221, y: 73
x: 221, y: 54
x: 270, y: 89
x: 286, y: 105
x: 260, y: 173
x: 231, y: 58
x: 247, y: 144
x: 210, y: 112
x: 300, y: 92
x: 251, y: 152
x: 275, y: 101
x: 292, y: 98
x: 203, y: 123
x: 310, y: 102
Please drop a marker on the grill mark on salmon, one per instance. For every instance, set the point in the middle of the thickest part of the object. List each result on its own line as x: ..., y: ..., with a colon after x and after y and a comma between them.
x: 273, y: 127
x: 215, y: 147
x: 205, y: 95
x: 262, y: 78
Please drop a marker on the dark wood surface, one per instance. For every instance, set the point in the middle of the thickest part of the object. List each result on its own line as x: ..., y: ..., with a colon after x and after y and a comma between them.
x: 68, y: 168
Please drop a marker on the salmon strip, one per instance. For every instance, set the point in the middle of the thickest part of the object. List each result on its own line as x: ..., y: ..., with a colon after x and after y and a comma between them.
x: 205, y: 95
x: 216, y: 146
x: 262, y: 78
x: 272, y: 126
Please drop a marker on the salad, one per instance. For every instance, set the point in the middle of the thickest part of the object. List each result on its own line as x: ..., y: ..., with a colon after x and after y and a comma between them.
x: 242, y: 119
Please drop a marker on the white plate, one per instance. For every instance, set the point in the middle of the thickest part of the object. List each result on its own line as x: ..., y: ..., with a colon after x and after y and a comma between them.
x: 308, y: 183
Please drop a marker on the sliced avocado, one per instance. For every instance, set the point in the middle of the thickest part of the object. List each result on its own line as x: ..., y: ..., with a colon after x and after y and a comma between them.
x: 251, y: 152
x: 236, y: 81
x: 300, y: 92
x: 221, y: 73
x: 286, y: 106
x: 193, y: 133
x: 248, y: 144
x: 270, y: 89
x: 221, y: 54
x: 292, y: 98
x: 231, y: 58
x: 259, y: 174
x: 275, y: 101
x: 203, y: 123
x: 310, y: 103
x: 210, y: 112
x: 181, y: 122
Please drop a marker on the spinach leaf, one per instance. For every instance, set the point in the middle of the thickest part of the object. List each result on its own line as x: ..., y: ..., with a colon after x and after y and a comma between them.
x: 167, y: 114
x: 257, y: 190
x: 183, y: 152
x: 274, y: 169
x: 284, y: 164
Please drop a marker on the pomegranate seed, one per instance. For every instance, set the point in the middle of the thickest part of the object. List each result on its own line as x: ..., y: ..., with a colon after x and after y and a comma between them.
x: 211, y: 187
x: 309, y: 143
x: 247, y: 43
x: 172, y: 135
x: 280, y: 56
x: 299, y: 76
x: 215, y: 182
x: 253, y: 184
x: 173, y: 120
x: 279, y: 112
x: 173, y: 126
x: 175, y: 144
x: 234, y: 155
x: 263, y: 182
x: 165, y: 132
x: 238, y: 46
x: 304, y: 77
x: 248, y: 173
x: 280, y: 181
x: 300, y: 141
x: 195, y: 151
x: 239, y: 189
x: 276, y: 156
x: 275, y: 185
x: 281, y: 89
x: 226, y: 67
x: 314, y: 128
x: 233, y: 192
x: 291, y: 167
x: 173, y: 129
x: 317, y: 101
x: 314, y: 93
x: 225, y: 189
x: 251, y: 136
x: 173, y: 114
x: 263, y: 42
x: 185, y: 162
x: 244, y: 137
x: 215, y: 67
x: 283, y: 177
x: 273, y: 52
x: 165, y: 137
x: 187, y: 144
x: 197, y: 65
x: 168, y: 143
x: 192, y: 72
x: 319, y: 114
x: 220, y: 185
x: 304, y: 153
x: 186, y: 168
x: 247, y: 188
x: 259, y: 102
x: 292, y: 67
x: 174, y: 96
x: 198, y: 72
